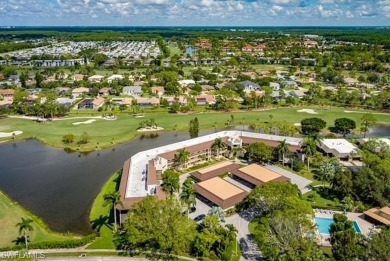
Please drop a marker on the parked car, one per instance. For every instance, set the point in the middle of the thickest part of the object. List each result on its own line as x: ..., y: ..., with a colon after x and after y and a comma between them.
x: 200, y: 217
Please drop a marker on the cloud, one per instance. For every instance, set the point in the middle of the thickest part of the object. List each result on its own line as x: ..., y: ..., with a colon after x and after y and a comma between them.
x: 194, y: 12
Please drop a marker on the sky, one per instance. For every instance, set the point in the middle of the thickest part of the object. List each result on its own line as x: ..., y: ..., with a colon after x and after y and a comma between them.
x: 195, y: 12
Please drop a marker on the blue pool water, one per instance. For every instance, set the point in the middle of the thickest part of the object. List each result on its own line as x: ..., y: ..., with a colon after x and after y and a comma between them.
x: 323, y: 225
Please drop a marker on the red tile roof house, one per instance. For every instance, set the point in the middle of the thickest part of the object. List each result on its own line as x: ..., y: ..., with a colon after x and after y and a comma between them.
x: 205, y: 99
x: 6, y: 96
x: 9, y: 93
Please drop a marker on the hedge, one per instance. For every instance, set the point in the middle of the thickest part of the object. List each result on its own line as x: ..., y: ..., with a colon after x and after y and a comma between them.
x: 70, y: 243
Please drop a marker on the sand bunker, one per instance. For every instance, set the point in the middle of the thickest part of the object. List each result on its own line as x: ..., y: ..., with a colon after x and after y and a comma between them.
x: 310, y: 111
x: 150, y: 129
x: 84, y: 122
x: 10, y: 134
x: 298, y: 124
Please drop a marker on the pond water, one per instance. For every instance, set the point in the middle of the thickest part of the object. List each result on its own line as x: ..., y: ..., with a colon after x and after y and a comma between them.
x: 190, y: 50
x: 379, y: 131
x: 60, y: 187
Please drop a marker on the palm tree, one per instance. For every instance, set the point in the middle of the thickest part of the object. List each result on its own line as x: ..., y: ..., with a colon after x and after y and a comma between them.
x: 219, y: 145
x: 112, y: 200
x: 170, y: 181
x: 188, y: 194
x: 310, y: 148
x: 182, y: 157
x: 283, y: 148
x: 218, y: 212
x: 25, y: 225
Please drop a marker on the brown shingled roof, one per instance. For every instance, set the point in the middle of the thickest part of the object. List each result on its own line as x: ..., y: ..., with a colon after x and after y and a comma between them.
x: 152, y: 176
x: 204, y: 174
x: 170, y: 155
x: 271, y: 143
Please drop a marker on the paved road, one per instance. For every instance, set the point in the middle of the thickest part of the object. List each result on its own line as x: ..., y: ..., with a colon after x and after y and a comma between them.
x: 95, y: 258
x: 301, y: 182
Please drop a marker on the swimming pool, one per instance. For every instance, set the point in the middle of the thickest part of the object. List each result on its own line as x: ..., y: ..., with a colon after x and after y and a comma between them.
x: 323, y: 225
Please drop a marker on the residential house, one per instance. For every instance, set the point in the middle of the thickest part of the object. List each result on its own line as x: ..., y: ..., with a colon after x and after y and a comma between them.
x: 205, y: 99
x: 158, y: 90
x: 79, y: 91
x: 6, y: 97
x: 91, y: 103
x: 34, y: 91
x: 62, y: 90
x: 207, y: 88
x: 186, y: 83
x: 147, y: 102
x: 7, y: 93
x: 105, y: 91
x: 67, y: 102
x: 181, y: 100
x: 132, y: 90
x: 96, y: 78
x: 15, y: 79
x: 298, y: 93
x: 351, y: 81
x: 250, y: 86
x: 122, y: 101
x: 115, y: 77
x: 275, y: 86
x: 77, y: 77
x: 310, y: 44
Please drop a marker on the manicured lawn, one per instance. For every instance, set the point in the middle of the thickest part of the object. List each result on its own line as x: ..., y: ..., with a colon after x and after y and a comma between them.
x: 101, y: 216
x: 320, y: 199
x: 105, y: 133
x: 11, y: 213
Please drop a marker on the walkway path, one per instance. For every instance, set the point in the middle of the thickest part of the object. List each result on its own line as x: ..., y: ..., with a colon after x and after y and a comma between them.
x: 302, y: 183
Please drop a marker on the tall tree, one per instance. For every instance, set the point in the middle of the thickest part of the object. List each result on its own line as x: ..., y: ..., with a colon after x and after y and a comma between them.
x: 312, y: 126
x: 368, y: 121
x: 309, y: 148
x: 193, y: 128
x: 346, y: 243
x: 218, y: 145
x: 170, y: 181
x: 25, y: 225
x: 260, y: 152
x: 158, y: 226
x: 282, y: 149
x: 113, y: 200
x: 188, y: 194
x: 344, y: 125
x: 182, y: 157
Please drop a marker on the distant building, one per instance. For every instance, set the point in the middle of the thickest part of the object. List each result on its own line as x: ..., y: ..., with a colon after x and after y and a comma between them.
x: 79, y: 91
x: 91, y: 103
x: 250, y: 86
x: 132, y: 90
x: 96, y: 78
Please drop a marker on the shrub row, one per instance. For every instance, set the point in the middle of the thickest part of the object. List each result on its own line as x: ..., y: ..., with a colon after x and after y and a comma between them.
x: 69, y: 243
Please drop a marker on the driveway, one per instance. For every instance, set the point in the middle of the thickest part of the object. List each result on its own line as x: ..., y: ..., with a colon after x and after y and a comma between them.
x: 302, y: 183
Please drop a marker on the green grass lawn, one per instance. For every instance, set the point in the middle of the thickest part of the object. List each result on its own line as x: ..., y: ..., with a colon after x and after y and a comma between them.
x: 11, y: 213
x: 319, y: 199
x: 108, y: 133
x: 99, y: 213
x: 174, y: 49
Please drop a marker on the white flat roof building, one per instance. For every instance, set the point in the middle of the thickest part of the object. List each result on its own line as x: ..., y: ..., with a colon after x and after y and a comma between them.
x: 339, y: 148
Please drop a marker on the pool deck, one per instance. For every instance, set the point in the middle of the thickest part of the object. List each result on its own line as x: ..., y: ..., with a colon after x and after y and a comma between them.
x: 364, y: 225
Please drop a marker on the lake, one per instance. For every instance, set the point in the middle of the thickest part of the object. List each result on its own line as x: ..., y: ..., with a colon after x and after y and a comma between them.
x: 60, y: 187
